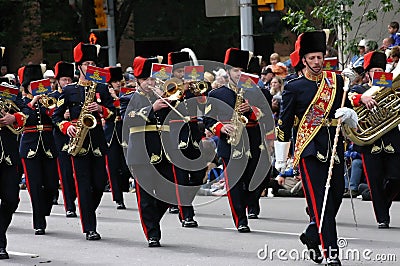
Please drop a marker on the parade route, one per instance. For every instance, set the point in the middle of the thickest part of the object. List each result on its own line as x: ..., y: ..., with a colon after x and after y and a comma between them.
x: 214, y: 242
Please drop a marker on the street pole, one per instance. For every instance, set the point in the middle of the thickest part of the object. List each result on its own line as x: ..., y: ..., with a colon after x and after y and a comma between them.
x: 112, y: 54
x: 246, y: 25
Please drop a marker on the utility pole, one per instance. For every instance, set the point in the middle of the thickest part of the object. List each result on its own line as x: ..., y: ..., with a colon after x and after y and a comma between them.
x: 112, y: 54
x: 246, y: 25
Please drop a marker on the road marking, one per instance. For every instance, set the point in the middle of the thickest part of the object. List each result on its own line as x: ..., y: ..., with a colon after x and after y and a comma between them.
x: 16, y: 253
x: 283, y: 233
x: 52, y: 214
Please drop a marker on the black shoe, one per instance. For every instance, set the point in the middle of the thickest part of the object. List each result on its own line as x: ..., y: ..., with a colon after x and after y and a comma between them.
x: 252, y: 216
x: 173, y: 209
x: 93, y: 235
x: 40, y: 232
x: 189, y: 222
x: 315, y: 252
x: 3, y: 254
x: 333, y: 262
x: 121, y: 206
x: 354, y: 194
x: 55, y: 201
x: 71, y: 214
x: 384, y: 225
x: 154, y: 242
x: 243, y: 229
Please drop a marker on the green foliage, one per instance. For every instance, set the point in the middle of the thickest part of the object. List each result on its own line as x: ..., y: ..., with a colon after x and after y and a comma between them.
x: 337, y: 16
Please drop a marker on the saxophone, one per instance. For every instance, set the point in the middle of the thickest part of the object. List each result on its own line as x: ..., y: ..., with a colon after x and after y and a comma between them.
x: 238, y: 120
x: 8, y: 106
x: 85, y: 122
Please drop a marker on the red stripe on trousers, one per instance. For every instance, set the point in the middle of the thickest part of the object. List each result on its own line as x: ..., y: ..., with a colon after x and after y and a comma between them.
x: 177, y: 193
x: 140, y: 209
x: 77, y: 191
x: 314, y: 204
x: 228, y: 191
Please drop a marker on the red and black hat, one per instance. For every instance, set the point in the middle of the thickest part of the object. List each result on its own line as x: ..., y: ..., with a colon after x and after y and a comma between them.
x: 312, y: 42
x: 178, y: 57
x: 142, y: 66
x: 374, y: 60
x: 29, y: 73
x: 63, y: 69
x: 237, y: 58
x: 115, y: 74
x: 85, y: 52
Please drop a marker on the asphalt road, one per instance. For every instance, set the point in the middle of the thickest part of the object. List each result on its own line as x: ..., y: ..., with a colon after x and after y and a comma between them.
x: 273, y: 240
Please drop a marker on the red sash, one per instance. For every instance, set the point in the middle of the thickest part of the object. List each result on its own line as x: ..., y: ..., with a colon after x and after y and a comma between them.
x: 315, y: 115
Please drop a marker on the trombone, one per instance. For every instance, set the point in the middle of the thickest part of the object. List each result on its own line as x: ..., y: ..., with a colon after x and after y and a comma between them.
x: 172, y: 90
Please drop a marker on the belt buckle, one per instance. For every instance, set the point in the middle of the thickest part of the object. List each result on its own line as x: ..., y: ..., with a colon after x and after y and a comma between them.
x: 39, y: 127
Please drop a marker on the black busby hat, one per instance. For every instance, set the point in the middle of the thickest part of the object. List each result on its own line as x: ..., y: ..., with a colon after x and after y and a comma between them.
x: 237, y: 58
x: 29, y: 73
x: 63, y: 69
x: 142, y: 66
x: 115, y: 74
x: 85, y: 52
x: 374, y: 60
x: 312, y: 42
x: 178, y: 57
x: 4, y: 79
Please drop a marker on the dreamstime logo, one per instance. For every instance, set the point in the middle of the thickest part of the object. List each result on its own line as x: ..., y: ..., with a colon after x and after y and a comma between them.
x: 142, y: 159
x: 345, y: 254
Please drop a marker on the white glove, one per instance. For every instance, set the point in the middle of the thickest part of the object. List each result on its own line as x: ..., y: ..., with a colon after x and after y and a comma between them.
x: 348, y: 116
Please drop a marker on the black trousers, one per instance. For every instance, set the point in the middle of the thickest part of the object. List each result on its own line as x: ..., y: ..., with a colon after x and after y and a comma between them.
x: 90, y: 176
x: 237, y: 183
x: 41, y: 175
x: 119, y: 171
x: 382, y: 171
x: 9, y: 196
x: 67, y: 181
x: 314, y: 174
x: 187, y: 184
x: 154, y: 186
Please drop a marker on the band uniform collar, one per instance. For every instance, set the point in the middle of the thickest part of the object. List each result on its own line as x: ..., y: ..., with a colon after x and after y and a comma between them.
x: 310, y: 76
x: 84, y: 83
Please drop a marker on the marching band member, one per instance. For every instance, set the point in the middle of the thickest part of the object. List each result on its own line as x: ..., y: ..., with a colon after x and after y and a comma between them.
x: 313, y: 98
x: 246, y: 153
x: 9, y: 178
x: 64, y: 74
x: 146, y: 156
x: 38, y: 150
x: 187, y: 144
x: 89, y: 162
x: 119, y: 171
x: 380, y: 159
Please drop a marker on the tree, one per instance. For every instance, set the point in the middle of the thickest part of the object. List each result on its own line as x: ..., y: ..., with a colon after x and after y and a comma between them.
x: 338, y: 16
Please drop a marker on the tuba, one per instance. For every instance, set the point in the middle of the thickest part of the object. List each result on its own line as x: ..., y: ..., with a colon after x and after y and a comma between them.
x: 8, y: 106
x: 373, y: 124
x: 85, y: 122
x: 238, y: 120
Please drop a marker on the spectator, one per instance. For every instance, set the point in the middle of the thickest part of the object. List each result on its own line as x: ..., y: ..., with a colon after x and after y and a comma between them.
x: 393, y: 29
x: 395, y: 55
x: 359, y: 58
x: 356, y: 172
x: 276, y: 86
x: 266, y: 77
x: 3, y: 70
x: 278, y: 68
x: 386, y: 43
